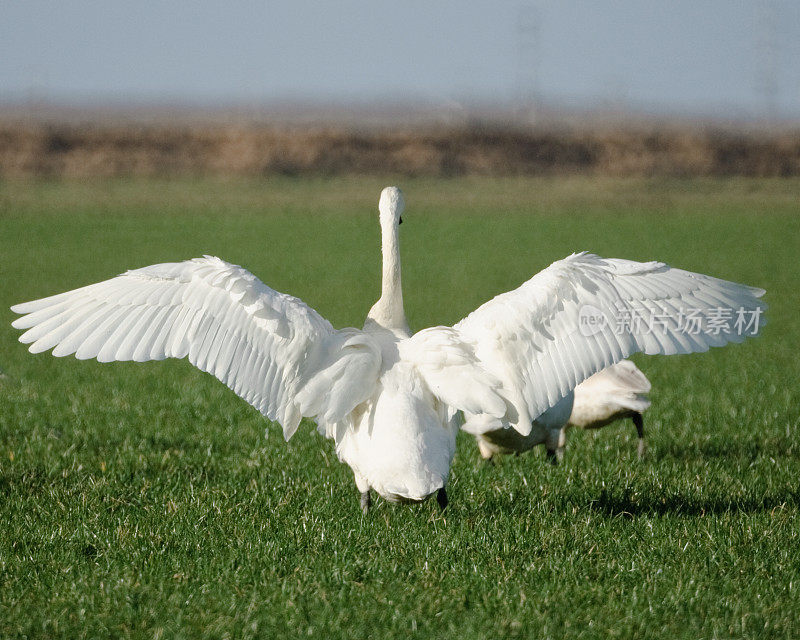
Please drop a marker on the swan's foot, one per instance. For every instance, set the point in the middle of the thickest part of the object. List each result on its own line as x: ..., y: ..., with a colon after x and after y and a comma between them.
x: 639, y: 424
x: 441, y: 498
x: 366, y: 501
x: 554, y: 456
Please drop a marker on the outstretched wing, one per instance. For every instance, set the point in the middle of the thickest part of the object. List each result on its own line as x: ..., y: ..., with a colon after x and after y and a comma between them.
x: 584, y: 313
x: 266, y: 346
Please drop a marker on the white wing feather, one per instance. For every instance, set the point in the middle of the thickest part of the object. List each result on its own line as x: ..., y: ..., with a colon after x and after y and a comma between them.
x: 270, y: 348
x: 531, y: 338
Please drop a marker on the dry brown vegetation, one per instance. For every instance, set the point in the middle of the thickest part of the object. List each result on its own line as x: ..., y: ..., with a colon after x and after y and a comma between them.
x: 105, y: 150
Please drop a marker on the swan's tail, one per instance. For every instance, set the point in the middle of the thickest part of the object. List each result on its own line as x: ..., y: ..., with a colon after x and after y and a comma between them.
x: 638, y: 403
x: 626, y: 384
x: 610, y: 394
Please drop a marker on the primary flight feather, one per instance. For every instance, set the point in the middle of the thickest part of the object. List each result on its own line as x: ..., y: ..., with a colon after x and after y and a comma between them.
x: 390, y: 400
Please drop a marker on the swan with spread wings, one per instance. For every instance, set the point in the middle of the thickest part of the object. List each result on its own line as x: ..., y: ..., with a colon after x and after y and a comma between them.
x: 392, y: 401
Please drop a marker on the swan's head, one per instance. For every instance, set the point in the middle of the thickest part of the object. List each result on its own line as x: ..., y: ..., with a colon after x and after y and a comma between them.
x: 391, y: 205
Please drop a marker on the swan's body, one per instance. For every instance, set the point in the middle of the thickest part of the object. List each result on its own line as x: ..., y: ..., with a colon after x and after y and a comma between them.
x: 388, y: 399
x: 547, y: 429
x: 401, y: 446
x: 617, y: 392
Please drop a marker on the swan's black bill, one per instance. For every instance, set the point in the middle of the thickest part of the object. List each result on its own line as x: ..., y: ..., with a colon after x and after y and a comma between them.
x: 400, y: 220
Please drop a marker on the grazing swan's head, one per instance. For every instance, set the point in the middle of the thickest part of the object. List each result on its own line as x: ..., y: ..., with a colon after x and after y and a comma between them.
x: 391, y: 205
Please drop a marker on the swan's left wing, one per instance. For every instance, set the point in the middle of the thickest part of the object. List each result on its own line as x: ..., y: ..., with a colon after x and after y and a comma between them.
x: 584, y: 313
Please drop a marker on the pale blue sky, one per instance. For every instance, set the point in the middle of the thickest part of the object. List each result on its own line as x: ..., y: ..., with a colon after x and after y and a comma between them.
x: 695, y: 56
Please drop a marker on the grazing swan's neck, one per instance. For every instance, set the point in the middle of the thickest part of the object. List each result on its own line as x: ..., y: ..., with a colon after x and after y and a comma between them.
x: 388, y: 310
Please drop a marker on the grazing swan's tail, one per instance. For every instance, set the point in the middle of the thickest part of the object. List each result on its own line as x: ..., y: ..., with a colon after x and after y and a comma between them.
x: 610, y: 394
x: 625, y: 383
x: 638, y: 404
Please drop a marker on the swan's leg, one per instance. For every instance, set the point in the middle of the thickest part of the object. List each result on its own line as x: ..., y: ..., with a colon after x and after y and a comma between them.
x: 554, y: 444
x: 441, y: 498
x: 363, y: 487
x: 639, y: 424
x: 366, y: 501
x: 485, y: 449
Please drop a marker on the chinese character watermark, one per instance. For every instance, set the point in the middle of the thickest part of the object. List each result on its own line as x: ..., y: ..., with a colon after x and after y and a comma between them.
x: 713, y: 321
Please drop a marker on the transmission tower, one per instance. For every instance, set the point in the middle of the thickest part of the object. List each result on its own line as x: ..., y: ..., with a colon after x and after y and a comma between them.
x: 767, y: 55
x: 528, y: 34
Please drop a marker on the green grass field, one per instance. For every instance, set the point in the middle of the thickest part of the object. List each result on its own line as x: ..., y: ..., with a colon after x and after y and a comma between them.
x: 143, y: 500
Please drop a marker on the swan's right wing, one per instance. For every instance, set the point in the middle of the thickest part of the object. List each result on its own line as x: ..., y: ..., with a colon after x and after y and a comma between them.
x: 585, y: 313
x: 270, y: 348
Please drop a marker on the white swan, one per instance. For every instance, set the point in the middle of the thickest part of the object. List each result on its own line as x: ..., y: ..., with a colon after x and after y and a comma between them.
x: 617, y: 392
x: 388, y: 399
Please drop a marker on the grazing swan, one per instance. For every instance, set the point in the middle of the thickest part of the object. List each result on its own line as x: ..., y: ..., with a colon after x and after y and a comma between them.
x: 616, y: 392
x: 389, y: 400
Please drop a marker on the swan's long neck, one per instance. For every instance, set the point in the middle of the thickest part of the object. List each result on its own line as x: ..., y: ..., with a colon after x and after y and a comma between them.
x: 388, y: 311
